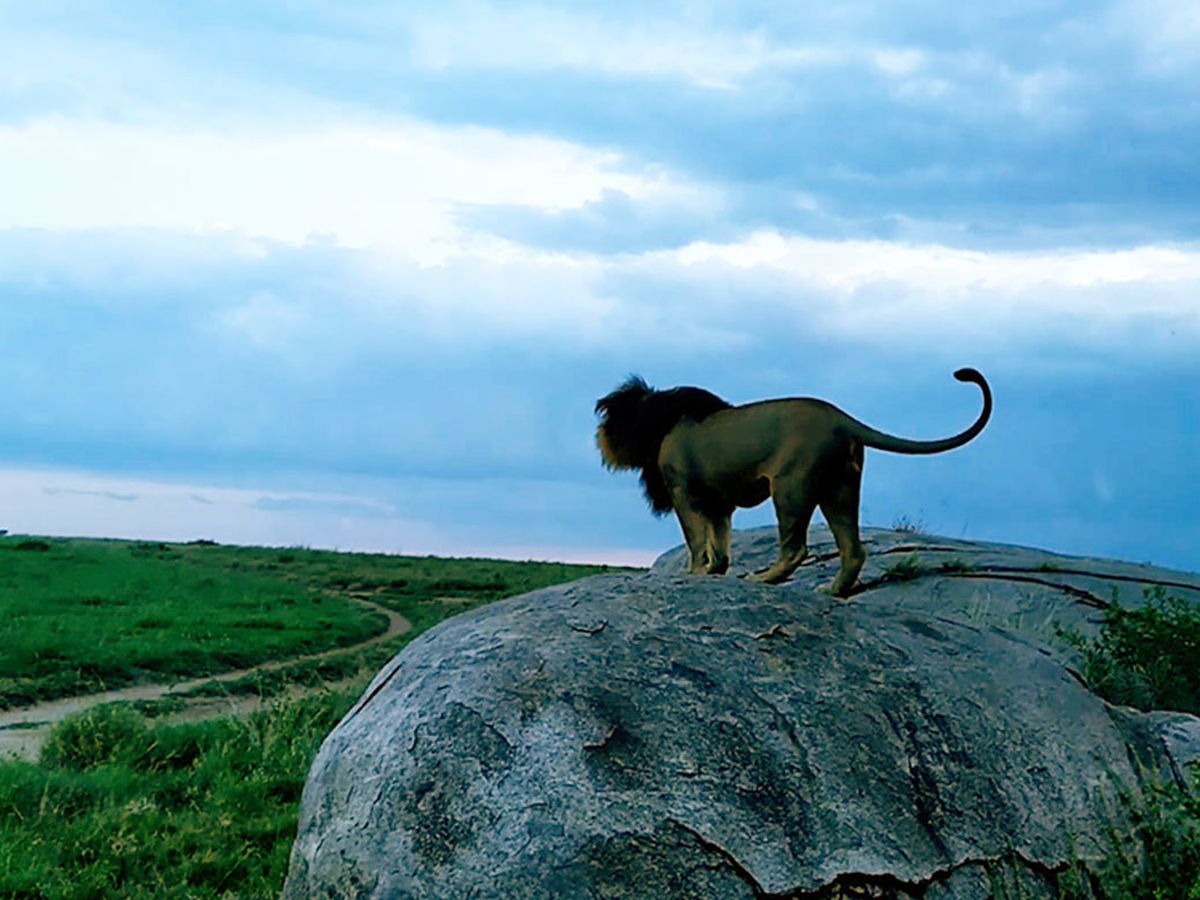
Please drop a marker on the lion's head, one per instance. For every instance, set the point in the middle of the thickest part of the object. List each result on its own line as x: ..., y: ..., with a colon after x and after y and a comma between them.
x: 635, y: 418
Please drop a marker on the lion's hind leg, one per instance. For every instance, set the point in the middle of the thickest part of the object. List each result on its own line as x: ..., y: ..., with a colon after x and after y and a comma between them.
x: 794, y: 507
x: 839, y: 505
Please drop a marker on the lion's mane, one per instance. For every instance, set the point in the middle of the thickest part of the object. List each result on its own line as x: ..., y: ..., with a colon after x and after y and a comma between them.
x: 635, y: 418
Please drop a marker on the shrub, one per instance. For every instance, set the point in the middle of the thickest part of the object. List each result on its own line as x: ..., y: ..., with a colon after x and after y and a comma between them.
x: 1157, y: 858
x: 33, y: 545
x: 100, y: 735
x: 1147, y: 657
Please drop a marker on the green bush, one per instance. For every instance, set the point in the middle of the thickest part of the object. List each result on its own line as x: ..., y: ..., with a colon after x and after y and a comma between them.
x: 103, y: 734
x: 33, y: 545
x: 1157, y: 858
x: 1147, y: 657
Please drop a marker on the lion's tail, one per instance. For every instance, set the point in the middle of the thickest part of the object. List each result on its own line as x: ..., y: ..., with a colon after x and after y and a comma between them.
x: 881, y: 441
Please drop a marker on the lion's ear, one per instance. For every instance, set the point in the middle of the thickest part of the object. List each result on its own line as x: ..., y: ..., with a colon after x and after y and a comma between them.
x: 632, y: 391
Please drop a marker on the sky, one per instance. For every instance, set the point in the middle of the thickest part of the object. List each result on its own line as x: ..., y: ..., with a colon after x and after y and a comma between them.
x: 343, y: 275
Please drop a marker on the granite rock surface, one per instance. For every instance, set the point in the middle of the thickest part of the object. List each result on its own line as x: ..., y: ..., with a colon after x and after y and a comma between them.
x: 665, y: 735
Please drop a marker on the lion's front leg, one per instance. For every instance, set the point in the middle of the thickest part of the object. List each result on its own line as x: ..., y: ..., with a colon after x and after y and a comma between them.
x: 695, y: 530
x: 719, y: 538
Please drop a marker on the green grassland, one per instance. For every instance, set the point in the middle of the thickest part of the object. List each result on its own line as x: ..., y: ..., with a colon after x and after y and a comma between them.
x: 118, y: 808
x: 122, y: 805
x: 81, y: 616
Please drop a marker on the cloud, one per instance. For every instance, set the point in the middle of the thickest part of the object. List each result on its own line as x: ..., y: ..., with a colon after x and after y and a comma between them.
x: 672, y: 45
x: 107, y: 495
x: 443, y: 517
x: 353, y: 506
x: 266, y: 320
x: 883, y: 292
x: 360, y: 185
x: 1165, y: 34
x: 615, y: 223
x: 316, y: 312
x: 980, y: 125
x: 41, y: 501
x: 330, y: 359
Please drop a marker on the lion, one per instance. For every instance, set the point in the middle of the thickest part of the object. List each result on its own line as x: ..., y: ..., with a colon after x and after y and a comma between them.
x: 703, y: 457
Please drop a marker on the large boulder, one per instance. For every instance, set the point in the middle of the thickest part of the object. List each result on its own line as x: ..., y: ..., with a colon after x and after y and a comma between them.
x: 670, y: 735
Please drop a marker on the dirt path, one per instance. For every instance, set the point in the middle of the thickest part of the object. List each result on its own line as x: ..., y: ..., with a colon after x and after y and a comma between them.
x: 23, y: 731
